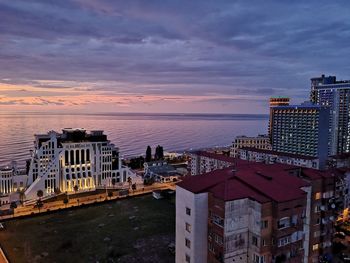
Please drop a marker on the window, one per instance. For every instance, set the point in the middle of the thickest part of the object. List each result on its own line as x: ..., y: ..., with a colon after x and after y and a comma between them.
x: 318, y: 221
x: 188, y: 259
x: 283, y: 241
x: 315, y: 247
x: 263, y: 241
x: 283, y: 222
x: 264, y: 224
x: 256, y: 258
x: 187, y: 243
x: 318, y: 195
x: 188, y: 211
x: 317, y: 233
x: 317, y: 208
x: 254, y: 240
x: 218, y: 239
x: 211, y: 247
x: 188, y: 227
x: 217, y: 220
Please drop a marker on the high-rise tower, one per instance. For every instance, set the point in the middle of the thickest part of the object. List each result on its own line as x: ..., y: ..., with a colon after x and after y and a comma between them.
x: 327, y: 91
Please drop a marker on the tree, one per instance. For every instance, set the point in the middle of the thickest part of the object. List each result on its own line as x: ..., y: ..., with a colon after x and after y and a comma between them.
x: 13, y: 206
x: 65, y: 201
x: 129, y: 181
x: 148, y: 181
x: 148, y: 154
x: 76, y: 188
x: 39, y: 204
x: 134, y: 186
x: 159, y: 154
x: 40, y: 193
x: 22, y: 196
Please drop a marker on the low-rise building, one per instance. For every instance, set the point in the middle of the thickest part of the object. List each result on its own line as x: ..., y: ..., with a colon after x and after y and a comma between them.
x: 203, y: 162
x: 255, y: 212
x: 161, y: 171
x: 270, y: 157
x: 259, y: 142
x: 12, y: 179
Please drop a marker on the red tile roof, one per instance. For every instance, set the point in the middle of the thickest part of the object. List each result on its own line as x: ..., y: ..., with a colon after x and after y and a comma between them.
x: 233, y: 189
x: 258, y: 181
x: 313, y: 174
x: 202, y: 183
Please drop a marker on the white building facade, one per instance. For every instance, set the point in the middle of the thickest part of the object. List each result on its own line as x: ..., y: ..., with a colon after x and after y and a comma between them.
x: 191, y: 226
x: 258, y: 142
x: 271, y: 157
x: 73, y: 160
x: 205, y: 162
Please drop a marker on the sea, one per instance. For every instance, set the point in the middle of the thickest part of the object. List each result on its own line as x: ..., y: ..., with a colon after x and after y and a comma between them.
x: 131, y: 132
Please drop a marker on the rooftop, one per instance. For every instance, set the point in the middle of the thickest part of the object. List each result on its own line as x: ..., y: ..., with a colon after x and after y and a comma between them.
x: 215, y: 156
x: 261, y: 182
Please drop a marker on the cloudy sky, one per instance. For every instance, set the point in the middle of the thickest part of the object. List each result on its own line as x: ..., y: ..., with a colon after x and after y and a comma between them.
x: 167, y: 56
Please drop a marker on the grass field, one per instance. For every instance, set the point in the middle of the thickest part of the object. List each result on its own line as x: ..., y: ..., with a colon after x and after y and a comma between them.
x: 132, y: 230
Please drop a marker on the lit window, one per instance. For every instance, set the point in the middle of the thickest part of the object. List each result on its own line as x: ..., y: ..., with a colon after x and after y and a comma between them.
x: 318, y: 195
x: 315, y: 247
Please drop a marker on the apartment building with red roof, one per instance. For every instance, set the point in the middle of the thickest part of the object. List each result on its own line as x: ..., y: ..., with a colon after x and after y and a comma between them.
x: 255, y: 212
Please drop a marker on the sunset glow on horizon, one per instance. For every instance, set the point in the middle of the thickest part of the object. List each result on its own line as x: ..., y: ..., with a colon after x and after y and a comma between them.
x: 165, y: 56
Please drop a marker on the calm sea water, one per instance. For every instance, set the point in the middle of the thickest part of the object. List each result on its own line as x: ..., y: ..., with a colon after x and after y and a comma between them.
x: 130, y: 132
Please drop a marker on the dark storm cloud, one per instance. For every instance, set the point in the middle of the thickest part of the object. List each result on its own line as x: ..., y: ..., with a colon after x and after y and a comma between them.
x: 175, y: 48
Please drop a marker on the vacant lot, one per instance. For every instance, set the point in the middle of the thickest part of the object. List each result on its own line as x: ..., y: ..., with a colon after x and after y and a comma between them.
x: 132, y: 230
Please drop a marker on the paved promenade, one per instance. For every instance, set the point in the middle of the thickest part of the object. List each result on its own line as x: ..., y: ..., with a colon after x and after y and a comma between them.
x: 84, y: 200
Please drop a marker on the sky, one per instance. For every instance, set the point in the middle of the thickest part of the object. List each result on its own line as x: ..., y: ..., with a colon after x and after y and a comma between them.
x: 167, y: 56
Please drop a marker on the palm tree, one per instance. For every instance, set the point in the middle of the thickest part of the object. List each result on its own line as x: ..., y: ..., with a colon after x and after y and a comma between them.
x: 13, y: 206
x: 129, y: 181
x: 39, y: 204
x: 22, y: 196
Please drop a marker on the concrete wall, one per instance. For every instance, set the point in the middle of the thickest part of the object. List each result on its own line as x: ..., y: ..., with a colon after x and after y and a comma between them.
x: 242, y: 222
x: 198, y: 220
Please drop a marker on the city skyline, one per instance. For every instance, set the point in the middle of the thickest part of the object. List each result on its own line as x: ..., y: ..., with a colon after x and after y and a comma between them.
x: 166, y: 56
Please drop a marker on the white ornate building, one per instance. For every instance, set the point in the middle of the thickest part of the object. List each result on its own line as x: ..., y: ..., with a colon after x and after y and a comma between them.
x: 61, y: 161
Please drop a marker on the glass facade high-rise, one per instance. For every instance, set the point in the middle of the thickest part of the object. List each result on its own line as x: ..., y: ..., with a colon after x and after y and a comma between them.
x: 327, y: 91
x: 301, y: 129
